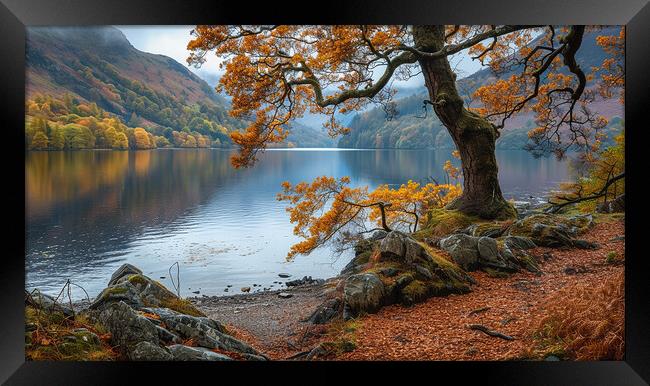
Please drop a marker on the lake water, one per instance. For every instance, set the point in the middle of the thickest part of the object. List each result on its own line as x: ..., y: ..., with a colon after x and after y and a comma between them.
x: 88, y: 212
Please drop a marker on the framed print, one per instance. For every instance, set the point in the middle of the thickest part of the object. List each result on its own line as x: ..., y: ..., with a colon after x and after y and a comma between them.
x: 398, y: 188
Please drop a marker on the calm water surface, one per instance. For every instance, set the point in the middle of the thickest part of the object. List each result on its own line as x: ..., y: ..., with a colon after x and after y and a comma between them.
x: 88, y: 212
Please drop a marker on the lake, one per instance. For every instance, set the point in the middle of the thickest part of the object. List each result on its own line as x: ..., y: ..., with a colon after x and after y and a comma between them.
x: 88, y: 212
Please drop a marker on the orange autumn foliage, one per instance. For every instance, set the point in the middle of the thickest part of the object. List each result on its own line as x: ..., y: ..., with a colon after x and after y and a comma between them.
x: 327, y: 210
x: 613, y: 67
x: 276, y: 73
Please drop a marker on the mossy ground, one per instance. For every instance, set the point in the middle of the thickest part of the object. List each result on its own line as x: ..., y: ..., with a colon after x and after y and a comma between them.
x: 547, y: 344
x: 442, y: 222
x: 51, y: 336
x: 341, y: 336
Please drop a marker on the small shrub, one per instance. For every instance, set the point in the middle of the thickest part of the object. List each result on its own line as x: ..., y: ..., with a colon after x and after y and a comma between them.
x: 611, y: 257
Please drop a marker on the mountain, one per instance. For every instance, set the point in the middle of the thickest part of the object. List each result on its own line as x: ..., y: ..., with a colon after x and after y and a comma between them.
x: 306, y: 136
x: 412, y: 129
x: 99, y: 65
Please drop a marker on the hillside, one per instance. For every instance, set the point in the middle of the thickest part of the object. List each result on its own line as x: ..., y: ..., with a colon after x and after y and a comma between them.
x: 411, y: 130
x: 98, y: 64
x: 302, y: 135
x: 86, y: 65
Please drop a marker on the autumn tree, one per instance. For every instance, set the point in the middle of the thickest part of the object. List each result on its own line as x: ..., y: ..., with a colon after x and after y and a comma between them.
x: 276, y: 73
x: 602, y: 179
x: 329, y: 211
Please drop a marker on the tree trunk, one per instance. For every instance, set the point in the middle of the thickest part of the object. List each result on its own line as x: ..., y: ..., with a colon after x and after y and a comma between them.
x: 473, y: 135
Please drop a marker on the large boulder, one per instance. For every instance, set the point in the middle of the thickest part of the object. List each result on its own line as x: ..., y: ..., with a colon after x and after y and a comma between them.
x: 463, y: 249
x: 402, y: 270
x: 554, y: 231
x: 362, y: 293
x: 518, y: 242
x: 130, y: 286
x: 144, y: 317
x: 204, y: 331
x: 124, y: 270
x: 118, y: 292
x: 128, y: 328
x: 400, y: 246
x: 392, y: 245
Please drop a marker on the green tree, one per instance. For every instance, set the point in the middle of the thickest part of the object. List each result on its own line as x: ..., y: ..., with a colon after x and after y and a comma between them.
x: 162, y: 141
x: 57, y: 139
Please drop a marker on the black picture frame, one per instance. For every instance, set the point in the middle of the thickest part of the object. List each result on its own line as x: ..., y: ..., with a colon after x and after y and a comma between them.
x: 15, y: 15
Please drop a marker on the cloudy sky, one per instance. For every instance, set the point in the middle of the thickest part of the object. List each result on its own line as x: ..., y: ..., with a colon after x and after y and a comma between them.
x: 172, y: 41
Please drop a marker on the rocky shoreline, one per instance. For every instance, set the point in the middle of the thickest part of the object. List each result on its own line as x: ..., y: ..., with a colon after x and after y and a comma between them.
x: 143, y: 320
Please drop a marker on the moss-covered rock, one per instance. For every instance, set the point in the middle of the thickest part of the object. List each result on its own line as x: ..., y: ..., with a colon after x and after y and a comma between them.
x: 138, y: 290
x: 52, y: 336
x: 553, y: 230
x: 574, y: 225
x: 402, y: 270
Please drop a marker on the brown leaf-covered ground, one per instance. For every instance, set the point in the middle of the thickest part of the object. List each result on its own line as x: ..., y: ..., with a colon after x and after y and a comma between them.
x: 438, y: 328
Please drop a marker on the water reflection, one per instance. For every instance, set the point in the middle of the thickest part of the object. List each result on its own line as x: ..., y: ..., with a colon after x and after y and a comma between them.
x: 90, y: 211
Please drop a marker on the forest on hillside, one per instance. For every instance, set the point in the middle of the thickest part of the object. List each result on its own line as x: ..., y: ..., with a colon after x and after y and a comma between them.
x: 69, y: 124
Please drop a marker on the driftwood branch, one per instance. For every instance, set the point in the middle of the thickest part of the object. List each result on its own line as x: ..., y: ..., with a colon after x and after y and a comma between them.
x: 478, y: 311
x: 485, y: 330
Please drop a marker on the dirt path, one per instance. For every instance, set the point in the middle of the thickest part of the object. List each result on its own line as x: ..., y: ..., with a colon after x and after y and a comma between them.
x: 271, y: 324
x: 433, y: 330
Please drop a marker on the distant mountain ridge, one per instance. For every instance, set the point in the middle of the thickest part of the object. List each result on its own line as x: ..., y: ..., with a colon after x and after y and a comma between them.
x: 411, y: 128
